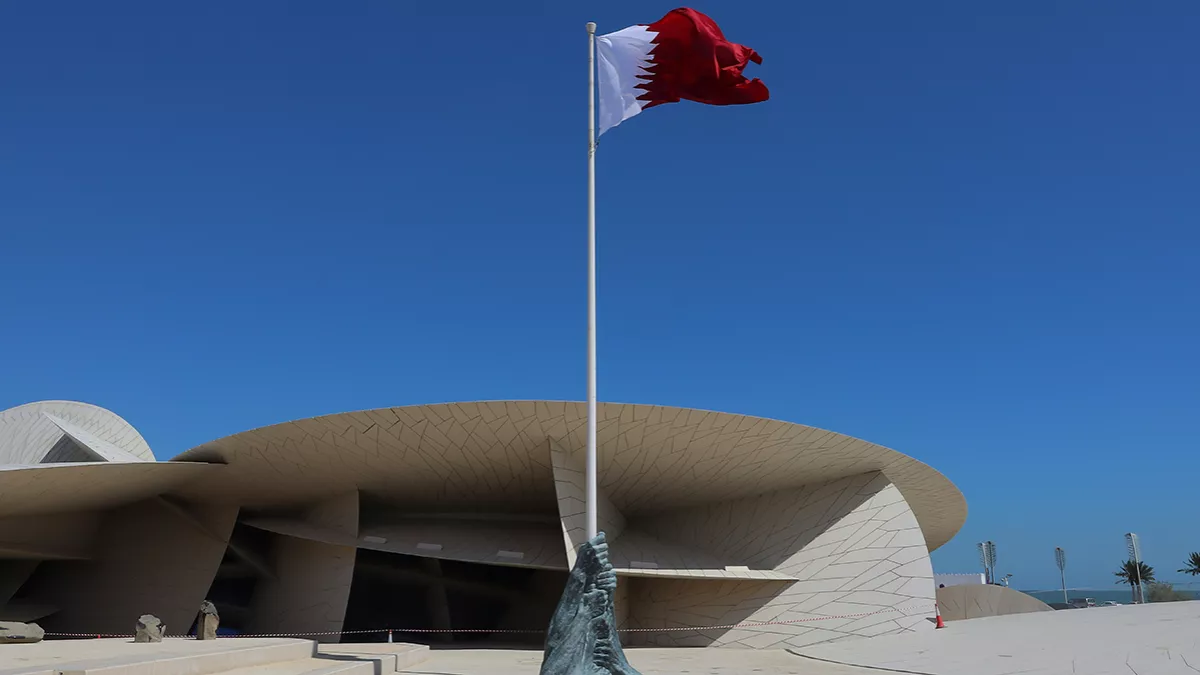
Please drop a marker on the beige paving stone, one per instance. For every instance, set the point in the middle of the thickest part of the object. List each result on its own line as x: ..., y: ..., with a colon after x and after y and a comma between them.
x: 1156, y: 639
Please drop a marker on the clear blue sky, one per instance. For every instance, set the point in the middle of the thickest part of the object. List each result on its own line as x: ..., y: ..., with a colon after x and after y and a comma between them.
x: 967, y: 232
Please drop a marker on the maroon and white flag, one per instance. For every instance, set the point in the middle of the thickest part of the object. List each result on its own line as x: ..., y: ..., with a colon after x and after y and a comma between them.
x: 682, y: 56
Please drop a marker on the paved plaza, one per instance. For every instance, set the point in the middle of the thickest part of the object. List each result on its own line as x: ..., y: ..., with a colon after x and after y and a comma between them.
x: 649, y: 661
x: 1161, y: 639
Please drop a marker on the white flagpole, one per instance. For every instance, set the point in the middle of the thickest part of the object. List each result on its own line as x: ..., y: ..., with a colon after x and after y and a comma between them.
x: 591, y: 329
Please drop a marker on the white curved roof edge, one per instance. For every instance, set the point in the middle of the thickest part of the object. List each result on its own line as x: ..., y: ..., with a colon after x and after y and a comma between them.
x: 101, y: 448
x: 938, y: 504
x: 26, y: 429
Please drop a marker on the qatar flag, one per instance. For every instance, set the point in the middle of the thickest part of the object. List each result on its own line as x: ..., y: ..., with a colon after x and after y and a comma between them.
x: 681, y: 57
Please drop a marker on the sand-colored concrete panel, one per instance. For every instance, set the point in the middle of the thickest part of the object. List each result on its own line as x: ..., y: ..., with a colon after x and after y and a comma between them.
x: 99, y: 448
x: 62, y: 488
x: 570, y: 484
x: 682, y: 604
x: 387, y: 658
x: 67, y: 451
x: 639, y: 554
x: 510, y: 544
x: 975, y: 601
x: 309, y: 592
x: 495, y: 543
x: 339, y: 514
x: 469, y: 455
x: 841, y: 540
x: 147, y: 560
x: 28, y: 432
x: 621, y: 603
x: 122, y: 656
x: 814, y: 535
x: 493, y: 454
x: 1149, y: 639
x: 54, y: 536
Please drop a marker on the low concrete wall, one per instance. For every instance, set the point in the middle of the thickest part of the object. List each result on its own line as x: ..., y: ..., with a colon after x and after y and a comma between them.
x: 976, y: 601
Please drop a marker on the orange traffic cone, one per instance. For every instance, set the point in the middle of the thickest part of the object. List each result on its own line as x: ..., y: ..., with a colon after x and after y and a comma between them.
x: 940, y: 623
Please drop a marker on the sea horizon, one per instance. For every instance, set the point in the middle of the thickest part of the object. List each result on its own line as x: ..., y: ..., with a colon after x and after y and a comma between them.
x: 1121, y: 595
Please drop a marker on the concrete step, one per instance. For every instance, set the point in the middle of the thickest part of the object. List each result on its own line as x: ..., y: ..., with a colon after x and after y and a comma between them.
x: 389, y: 657
x: 174, y: 657
x: 240, y: 656
x: 311, y: 666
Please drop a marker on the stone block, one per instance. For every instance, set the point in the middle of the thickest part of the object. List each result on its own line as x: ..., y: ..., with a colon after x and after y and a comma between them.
x: 149, y: 629
x: 207, y: 622
x: 13, y: 632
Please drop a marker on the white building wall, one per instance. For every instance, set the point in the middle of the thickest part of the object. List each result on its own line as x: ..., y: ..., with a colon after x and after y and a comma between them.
x: 853, y: 544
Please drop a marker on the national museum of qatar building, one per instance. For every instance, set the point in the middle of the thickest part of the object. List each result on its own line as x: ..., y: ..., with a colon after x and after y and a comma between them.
x: 462, y: 519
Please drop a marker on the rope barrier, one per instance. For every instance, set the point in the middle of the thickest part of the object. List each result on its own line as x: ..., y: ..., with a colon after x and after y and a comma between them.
x: 422, y: 631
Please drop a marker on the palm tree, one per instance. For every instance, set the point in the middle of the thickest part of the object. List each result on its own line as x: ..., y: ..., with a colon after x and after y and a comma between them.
x: 1192, y: 565
x: 1130, y: 573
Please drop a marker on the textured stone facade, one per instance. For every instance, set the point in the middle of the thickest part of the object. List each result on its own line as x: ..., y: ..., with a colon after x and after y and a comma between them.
x: 853, y: 545
x: 149, y: 558
x: 309, y: 592
x: 850, y: 547
x: 712, y: 520
x: 570, y: 486
x: 31, y: 434
x: 310, y: 587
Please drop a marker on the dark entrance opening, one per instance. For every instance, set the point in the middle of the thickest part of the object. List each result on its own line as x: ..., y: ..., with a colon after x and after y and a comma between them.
x: 394, y: 591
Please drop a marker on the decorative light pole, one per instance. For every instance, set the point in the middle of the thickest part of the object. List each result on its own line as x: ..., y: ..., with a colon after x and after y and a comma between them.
x: 1060, y: 559
x: 1134, y: 545
x: 989, y: 548
x: 987, y: 579
x: 987, y: 558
